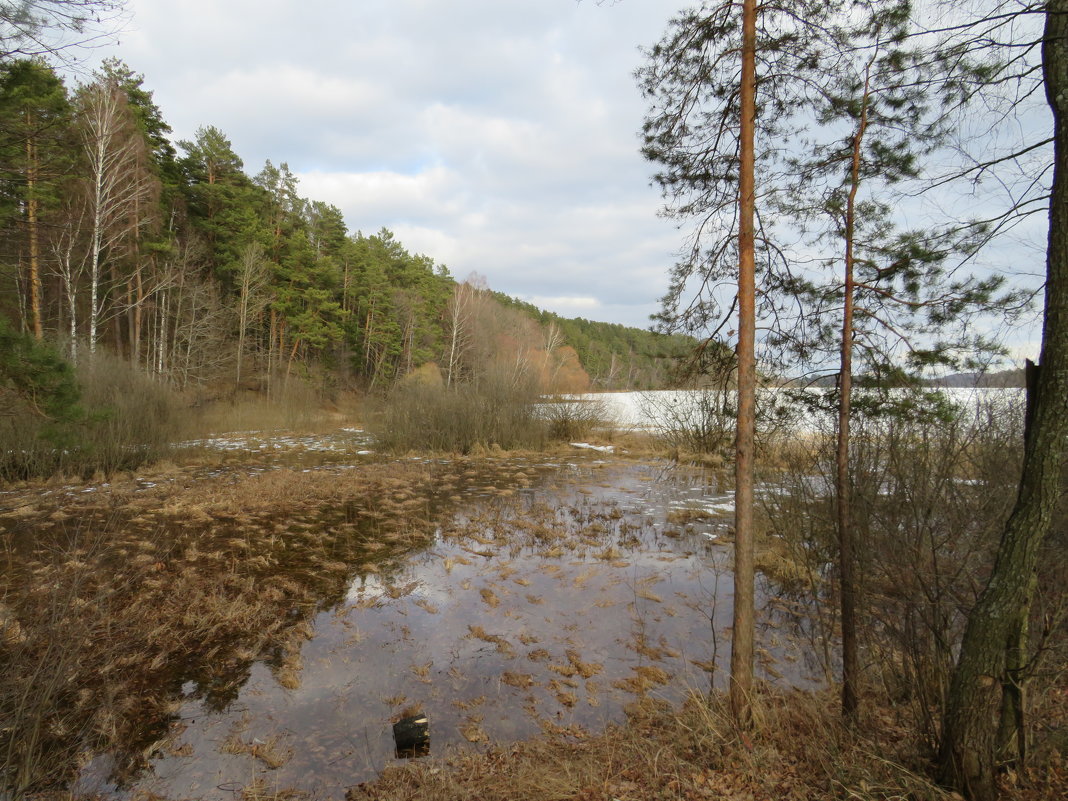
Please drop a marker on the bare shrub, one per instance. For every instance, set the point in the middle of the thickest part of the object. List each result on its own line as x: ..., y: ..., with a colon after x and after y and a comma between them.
x: 692, y: 421
x: 702, y: 421
x: 569, y: 418
x: 133, y: 417
x: 126, y: 418
x: 930, y: 494
x: 494, y: 411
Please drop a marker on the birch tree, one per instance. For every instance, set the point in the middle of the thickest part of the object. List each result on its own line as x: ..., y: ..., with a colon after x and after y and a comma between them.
x: 252, y: 300
x: 461, y: 313
x: 69, y: 266
x: 120, y: 187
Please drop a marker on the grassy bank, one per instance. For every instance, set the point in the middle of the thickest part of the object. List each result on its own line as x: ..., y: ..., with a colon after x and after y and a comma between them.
x: 799, y: 750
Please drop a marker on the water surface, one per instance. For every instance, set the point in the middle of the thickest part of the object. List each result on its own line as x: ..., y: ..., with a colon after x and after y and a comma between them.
x: 549, y: 605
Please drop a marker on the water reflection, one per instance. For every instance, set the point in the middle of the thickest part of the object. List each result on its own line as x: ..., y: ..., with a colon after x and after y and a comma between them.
x: 546, y: 605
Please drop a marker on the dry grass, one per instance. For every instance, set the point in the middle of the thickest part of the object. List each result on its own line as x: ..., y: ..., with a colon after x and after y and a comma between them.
x: 471, y: 418
x: 297, y: 408
x: 104, y: 594
x: 798, y: 751
x: 124, y: 582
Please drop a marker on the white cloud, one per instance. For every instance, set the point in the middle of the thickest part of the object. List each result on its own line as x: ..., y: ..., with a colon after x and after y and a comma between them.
x: 387, y: 195
x: 576, y: 307
x: 497, y: 136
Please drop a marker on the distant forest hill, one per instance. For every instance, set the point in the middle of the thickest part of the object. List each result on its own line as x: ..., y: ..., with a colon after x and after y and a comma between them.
x: 1003, y: 379
x: 177, y: 260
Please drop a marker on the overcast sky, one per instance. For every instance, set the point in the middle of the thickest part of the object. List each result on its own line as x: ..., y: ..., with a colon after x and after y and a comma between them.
x: 495, y: 136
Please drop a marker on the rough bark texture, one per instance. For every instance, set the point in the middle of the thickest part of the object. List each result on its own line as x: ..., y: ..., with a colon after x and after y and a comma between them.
x: 968, y: 756
x: 843, y: 490
x: 34, y: 236
x: 741, y: 685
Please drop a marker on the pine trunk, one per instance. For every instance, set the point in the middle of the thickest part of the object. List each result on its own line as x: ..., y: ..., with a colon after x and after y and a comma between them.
x: 843, y: 490
x: 34, y: 237
x: 968, y: 754
x: 744, y: 617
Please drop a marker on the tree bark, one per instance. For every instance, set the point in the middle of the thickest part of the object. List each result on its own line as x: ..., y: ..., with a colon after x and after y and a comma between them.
x: 34, y: 237
x: 968, y: 756
x: 741, y: 681
x: 843, y: 490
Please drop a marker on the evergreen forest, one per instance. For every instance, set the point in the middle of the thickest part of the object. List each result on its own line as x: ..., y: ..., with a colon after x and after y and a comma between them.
x: 174, y: 258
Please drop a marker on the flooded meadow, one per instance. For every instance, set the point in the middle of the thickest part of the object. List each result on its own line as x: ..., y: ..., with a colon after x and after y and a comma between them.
x: 266, y: 617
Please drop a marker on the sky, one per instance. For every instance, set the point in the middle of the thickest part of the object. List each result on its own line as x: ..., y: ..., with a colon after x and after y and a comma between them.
x: 498, y: 137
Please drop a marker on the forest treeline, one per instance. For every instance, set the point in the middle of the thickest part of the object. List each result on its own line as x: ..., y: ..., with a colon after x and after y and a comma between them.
x: 174, y: 258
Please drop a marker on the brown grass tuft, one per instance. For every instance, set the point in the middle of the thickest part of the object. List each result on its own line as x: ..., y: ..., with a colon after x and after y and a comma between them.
x: 799, y: 751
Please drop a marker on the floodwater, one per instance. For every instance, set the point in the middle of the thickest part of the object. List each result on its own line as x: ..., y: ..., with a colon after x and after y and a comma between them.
x: 548, y: 607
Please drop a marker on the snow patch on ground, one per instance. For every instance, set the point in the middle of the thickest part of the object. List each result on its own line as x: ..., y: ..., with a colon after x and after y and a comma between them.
x: 342, y: 441
x: 600, y: 448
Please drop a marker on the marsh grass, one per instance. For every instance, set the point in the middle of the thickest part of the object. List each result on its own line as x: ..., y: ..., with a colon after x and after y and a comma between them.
x: 798, y: 750
x: 111, y: 601
x: 214, y: 574
x: 296, y: 406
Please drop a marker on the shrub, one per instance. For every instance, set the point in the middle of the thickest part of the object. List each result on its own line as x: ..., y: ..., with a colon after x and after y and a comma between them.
x: 494, y: 411
x: 930, y: 496
x: 691, y: 421
x: 124, y: 419
x: 570, y: 418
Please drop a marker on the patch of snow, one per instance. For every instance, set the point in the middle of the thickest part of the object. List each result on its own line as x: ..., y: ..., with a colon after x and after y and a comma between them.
x: 600, y: 448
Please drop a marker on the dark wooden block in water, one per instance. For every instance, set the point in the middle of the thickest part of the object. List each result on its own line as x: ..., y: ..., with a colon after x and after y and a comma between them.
x: 412, y: 736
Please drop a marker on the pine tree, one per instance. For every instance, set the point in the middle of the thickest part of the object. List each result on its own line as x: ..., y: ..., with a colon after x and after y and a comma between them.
x: 704, y: 120
x: 34, y: 158
x: 224, y: 204
x: 992, y: 661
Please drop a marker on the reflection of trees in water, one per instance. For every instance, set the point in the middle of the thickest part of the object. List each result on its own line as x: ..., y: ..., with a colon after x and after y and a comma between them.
x: 183, y: 616
x: 108, y: 630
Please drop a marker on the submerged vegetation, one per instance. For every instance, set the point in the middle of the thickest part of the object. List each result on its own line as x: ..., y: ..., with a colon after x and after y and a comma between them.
x: 118, y: 604
x: 132, y: 608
